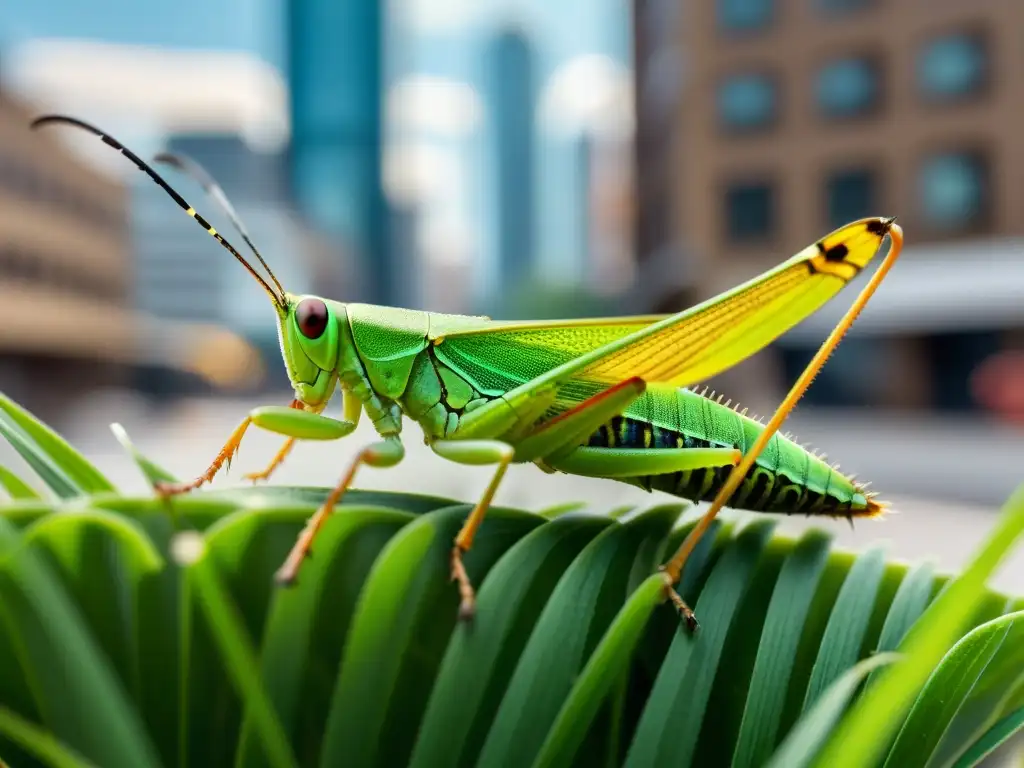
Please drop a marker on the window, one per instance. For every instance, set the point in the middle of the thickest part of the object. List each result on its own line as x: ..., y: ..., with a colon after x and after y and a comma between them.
x: 952, y: 67
x: 749, y: 212
x: 745, y: 15
x: 953, y: 190
x: 852, y: 195
x: 848, y: 87
x: 746, y: 102
x: 841, y: 7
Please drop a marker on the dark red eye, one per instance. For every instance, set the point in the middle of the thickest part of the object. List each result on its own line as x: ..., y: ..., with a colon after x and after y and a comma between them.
x: 311, y: 315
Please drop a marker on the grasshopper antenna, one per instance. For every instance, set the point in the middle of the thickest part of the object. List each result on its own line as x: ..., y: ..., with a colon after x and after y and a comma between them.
x: 191, y: 168
x: 141, y: 164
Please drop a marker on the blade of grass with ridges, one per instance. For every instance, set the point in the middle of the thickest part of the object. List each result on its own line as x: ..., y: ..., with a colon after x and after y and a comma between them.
x: 670, y: 726
x: 16, y: 488
x: 780, y: 637
x: 237, y: 653
x: 73, y: 464
x: 992, y: 739
x: 805, y: 739
x: 996, y: 694
x: 837, y: 567
x: 101, y: 559
x: 729, y: 691
x: 972, y: 672
x: 40, y: 463
x: 481, y: 658
x: 847, y: 628
x: 24, y: 512
x: 306, y: 625
x: 579, y: 611
x: 911, y: 600
x: 211, y: 711
x: 604, y: 669
x: 607, y: 672
x: 405, y: 615
x: 862, y: 738
x: 152, y: 471
x: 79, y: 696
x: 39, y: 742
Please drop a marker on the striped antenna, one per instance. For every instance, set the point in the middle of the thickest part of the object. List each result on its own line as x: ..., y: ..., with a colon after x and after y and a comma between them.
x: 193, y: 169
x: 109, y: 140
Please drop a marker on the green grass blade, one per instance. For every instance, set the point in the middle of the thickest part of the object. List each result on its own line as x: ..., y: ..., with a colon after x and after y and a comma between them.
x: 76, y: 689
x: 150, y: 470
x: 73, y: 464
x: 805, y: 739
x: 671, y: 723
x: 780, y: 638
x: 864, y: 735
x: 39, y: 742
x: 992, y: 739
x: 101, y: 560
x: 911, y: 599
x: 306, y: 627
x: 607, y: 665
x: 968, y: 686
x: 236, y: 650
x: 480, y: 659
x: 581, y: 608
x: 51, y: 474
x: 848, y: 624
x: 16, y: 488
x: 404, y: 619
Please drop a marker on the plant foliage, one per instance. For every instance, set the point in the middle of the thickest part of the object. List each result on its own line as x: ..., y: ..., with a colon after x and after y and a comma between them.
x: 136, y: 632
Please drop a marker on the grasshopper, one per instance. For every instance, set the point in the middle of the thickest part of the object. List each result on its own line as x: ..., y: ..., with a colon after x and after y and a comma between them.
x: 602, y: 398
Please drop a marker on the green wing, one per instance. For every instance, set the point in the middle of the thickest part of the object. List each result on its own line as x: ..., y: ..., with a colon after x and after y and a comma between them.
x: 680, y: 349
x: 499, y: 356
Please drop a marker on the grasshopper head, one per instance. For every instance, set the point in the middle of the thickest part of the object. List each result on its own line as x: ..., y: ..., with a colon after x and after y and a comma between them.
x: 307, y: 325
x: 308, y: 330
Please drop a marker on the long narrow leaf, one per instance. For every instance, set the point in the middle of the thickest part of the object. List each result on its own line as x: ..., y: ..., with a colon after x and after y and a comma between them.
x: 862, y: 738
x: 800, y: 746
x: 238, y: 655
x: 992, y: 739
x: 16, y: 487
x: 39, y: 742
x: 72, y: 463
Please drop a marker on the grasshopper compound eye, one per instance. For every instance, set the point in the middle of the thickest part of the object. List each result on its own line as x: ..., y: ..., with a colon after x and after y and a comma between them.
x: 311, y: 315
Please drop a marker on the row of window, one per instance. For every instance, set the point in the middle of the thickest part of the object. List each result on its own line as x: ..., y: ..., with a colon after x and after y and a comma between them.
x: 953, y: 197
x: 24, y: 265
x: 745, y: 16
x: 950, y: 68
x: 25, y: 181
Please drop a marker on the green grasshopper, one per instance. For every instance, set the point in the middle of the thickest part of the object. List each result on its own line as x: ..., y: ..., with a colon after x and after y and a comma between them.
x: 603, y: 398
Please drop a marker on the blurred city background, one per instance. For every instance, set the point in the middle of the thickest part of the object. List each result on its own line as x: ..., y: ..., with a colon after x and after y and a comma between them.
x: 523, y: 158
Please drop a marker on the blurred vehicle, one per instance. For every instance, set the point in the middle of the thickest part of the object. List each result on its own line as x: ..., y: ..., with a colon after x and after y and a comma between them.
x: 998, y: 385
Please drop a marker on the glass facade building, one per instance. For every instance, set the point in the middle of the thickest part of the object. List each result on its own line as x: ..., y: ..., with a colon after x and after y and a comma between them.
x: 335, y: 61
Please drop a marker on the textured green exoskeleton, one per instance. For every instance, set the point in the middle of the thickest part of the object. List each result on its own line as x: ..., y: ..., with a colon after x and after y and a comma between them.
x: 601, y: 398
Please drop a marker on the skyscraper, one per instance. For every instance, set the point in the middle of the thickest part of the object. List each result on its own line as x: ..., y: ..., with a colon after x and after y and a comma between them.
x: 335, y: 81
x: 512, y: 96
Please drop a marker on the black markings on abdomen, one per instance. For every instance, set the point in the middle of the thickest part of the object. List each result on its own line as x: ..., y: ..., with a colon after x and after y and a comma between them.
x: 762, y: 490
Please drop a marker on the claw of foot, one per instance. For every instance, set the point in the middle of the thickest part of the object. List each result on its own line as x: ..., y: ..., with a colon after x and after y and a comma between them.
x: 284, y: 577
x: 467, y: 610
x: 164, y: 490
